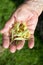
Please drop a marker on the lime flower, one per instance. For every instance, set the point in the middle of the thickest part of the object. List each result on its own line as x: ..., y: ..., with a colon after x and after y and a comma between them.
x: 19, y: 32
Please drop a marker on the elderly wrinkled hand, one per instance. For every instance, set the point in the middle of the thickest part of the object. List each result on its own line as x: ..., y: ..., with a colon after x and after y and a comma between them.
x: 22, y: 14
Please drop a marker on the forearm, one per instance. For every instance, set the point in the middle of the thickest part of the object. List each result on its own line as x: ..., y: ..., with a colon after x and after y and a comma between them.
x: 36, y: 5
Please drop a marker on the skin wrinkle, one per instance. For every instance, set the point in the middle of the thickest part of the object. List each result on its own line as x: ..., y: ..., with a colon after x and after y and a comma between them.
x: 24, y: 11
x: 32, y: 23
x: 29, y: 9
x: 36, y: 5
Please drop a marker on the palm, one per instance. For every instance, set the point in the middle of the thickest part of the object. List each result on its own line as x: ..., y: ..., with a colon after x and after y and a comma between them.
x: 21, y: 15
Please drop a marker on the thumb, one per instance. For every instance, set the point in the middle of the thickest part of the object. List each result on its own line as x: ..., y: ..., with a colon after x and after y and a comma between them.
x: 8, y: 25
x: 31, y: 42
x: 2, y: 31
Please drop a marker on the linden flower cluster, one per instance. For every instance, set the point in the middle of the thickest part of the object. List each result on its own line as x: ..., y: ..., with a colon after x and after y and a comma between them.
x: 19, y: 32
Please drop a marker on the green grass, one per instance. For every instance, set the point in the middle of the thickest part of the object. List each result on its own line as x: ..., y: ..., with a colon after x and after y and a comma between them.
x: 25, y: 56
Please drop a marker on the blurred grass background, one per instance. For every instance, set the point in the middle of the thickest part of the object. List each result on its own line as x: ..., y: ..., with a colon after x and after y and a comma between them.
x: 25, y: 56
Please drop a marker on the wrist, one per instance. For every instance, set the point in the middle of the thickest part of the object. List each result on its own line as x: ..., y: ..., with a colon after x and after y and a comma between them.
x: 36, y: 5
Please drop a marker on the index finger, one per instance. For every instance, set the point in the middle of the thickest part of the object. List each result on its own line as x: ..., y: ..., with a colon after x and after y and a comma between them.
x: 6, y: 41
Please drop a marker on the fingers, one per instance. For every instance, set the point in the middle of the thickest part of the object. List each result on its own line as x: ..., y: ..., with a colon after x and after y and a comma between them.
x: 12, y: 48
x: 20, y: 44
x: 31, y: 42
x: 6, y: 41
x: 31, y: 26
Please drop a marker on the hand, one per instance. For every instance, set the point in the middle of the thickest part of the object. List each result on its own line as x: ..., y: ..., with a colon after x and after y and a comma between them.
x: 22, y: 14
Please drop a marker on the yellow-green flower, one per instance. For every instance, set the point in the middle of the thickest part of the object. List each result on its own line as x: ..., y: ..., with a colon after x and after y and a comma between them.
x: 19, y: 32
